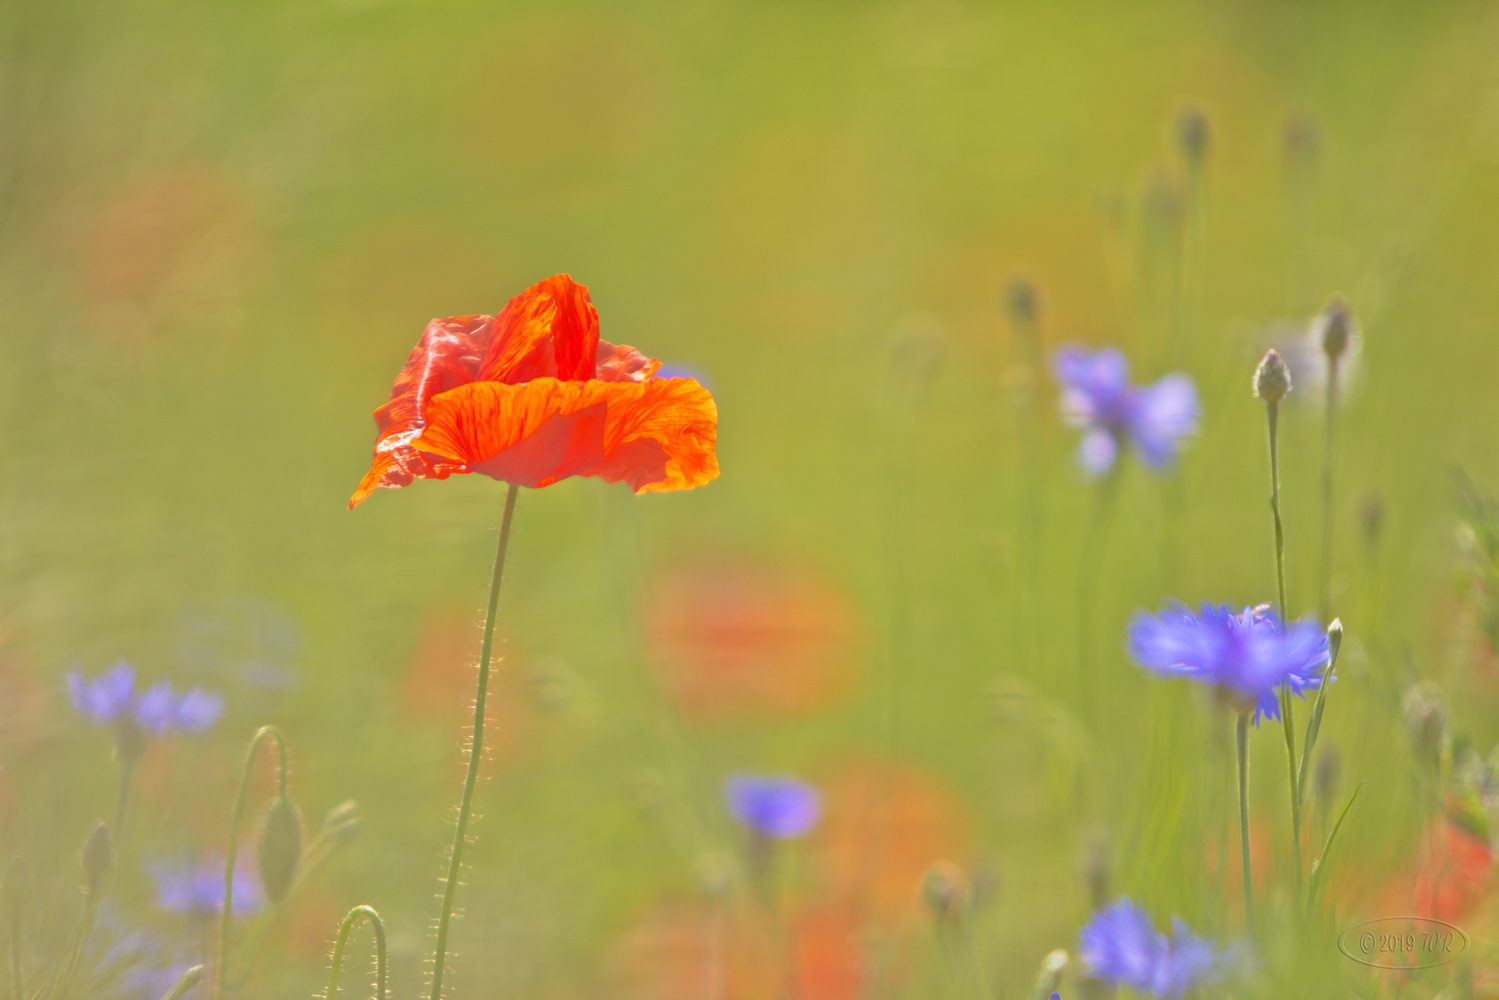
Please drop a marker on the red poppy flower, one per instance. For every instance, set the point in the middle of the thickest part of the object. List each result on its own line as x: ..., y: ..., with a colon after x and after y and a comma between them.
x: 532, y: 396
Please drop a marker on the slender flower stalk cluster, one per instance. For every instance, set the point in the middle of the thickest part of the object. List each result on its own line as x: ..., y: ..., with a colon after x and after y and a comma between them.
x: 1247, y: 657
x: 1121, y: 947
x: 1097, y: 397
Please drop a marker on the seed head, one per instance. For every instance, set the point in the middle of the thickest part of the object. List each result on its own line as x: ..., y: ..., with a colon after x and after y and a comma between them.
x: 280, y: 847
x: 98, y: 855
x: 1425, y: 710
x: 1272, y: 379
x: 1192, y: 133
x: 1335, y: 323
x: 946, y: 890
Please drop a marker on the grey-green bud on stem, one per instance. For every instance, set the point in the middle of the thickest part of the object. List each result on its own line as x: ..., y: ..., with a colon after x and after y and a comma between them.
x: 1334, y: 640
x: 946, y: 890
x: 1425, y: 710
x: 1192, y: 133
x: 1335, y: 322
x: 280, y: 847
x: 1325, y: 775
x: 98, y: 855
x: 1272, y: 379
x: 192, y: 977
x: 17, y: 887
x: 1096, y: 868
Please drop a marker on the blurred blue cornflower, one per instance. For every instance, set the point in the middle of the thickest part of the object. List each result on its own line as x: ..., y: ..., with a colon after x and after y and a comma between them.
x: 773, y: 807
x: 1248, y: 657
x: 196, y: 888
x: 110, y: 700
x: 1122, y: 947
x: 1097, y: 396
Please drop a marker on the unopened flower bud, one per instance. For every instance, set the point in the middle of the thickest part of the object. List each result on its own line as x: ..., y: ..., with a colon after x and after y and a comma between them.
x: 1272, y: 379
x: 1334, y: 640
x: 1325, y: 775
x: 280, y: 847
x: 1192, y: 133
x: 342, y: 822
x: 1371, y: 517
x: 1302, y: 139
x: 1049, y: 975
x: 192, y: 977
x: 1022, y: 296
x: 98, y: 855
x: 946, y: 890
x: 1425, y: 710
x: 1335, y: 323
x: 17, y: 887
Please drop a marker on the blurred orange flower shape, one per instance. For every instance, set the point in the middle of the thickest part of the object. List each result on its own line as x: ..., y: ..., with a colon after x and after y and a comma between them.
x: 532, y: 396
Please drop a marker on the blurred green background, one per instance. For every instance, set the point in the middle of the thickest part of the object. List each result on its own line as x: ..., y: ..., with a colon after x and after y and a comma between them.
x: 224, y: 225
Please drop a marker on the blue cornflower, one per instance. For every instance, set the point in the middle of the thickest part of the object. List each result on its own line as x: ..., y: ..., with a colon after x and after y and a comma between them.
x: 1248, y: 656
x: 196, y: 888
x: 773, y: 807
x: 1122, y: 947
x: 1097, y: 396
x: 111, y: 700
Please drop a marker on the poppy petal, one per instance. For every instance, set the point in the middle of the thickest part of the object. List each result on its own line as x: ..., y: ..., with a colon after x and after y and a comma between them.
x: 550, y: 329
x: 622, y: 363
x: 447, y: 356
x: 656, y: 434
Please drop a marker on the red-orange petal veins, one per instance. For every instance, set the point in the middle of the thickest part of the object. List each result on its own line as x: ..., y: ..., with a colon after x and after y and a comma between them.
x: 549, y: 329
x: 656, y: 434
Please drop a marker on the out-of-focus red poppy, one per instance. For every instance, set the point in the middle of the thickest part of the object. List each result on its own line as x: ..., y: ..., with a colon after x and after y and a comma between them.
x: 678, y: 951
x: 730, y: 639
x: 829, y: 959
x: 884, y: 826
x: 532, y: 396
x: 1451, y: 876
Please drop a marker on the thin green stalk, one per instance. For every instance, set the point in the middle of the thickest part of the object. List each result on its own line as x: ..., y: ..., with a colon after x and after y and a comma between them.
x: 1324, y: 604
x: 234, y: 821
x: 1272, y: 413
x: 1090, y: 566
x: 1241, y: 743
x: 192, y: 977
x: 15, y: 955
x: 475, y: 750
x: 343, y: 938
x: 127, y: 773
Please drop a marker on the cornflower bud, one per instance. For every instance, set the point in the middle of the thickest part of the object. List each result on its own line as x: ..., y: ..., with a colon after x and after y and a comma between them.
x: 1096, y: 869
x: 98, y: 855
x: 1371, y: 517
x: 1192, y: 133
x: 1049, y: 975
x: 280, y: 847
x: 1325, y: 777
x: 946, y: 890
x: 1272, y: 379
x: 1022, y: 297
x: 1335, y: 323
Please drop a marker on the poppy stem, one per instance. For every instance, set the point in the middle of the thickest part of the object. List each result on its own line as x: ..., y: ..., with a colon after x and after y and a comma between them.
x: 234, y: 820
x: 343, y: 940
x: 1241, y: 742
x: 475, y: 751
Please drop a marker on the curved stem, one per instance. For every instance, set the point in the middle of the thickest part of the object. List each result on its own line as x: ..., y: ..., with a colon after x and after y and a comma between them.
x: 1241, y: 742
x: 234, y: 821
x: 343, y: 938
x: 475, y: 750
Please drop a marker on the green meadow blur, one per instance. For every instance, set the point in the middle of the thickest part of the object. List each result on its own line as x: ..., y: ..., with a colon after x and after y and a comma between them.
x: 224, y: 226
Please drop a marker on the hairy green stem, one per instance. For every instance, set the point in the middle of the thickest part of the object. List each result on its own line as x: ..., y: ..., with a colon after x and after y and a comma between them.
x: 1241, y: 743
x: 475, y: 751
x: 234, y: 821
x: 343, y: 939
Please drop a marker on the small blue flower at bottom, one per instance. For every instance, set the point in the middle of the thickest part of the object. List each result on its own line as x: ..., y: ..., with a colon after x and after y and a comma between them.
x: 1249, y: 656
x: 1122, y: 947
x: 110, y: 699
x: 196, y: 888
x: 773, y: 807
x: 1098, y: 398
